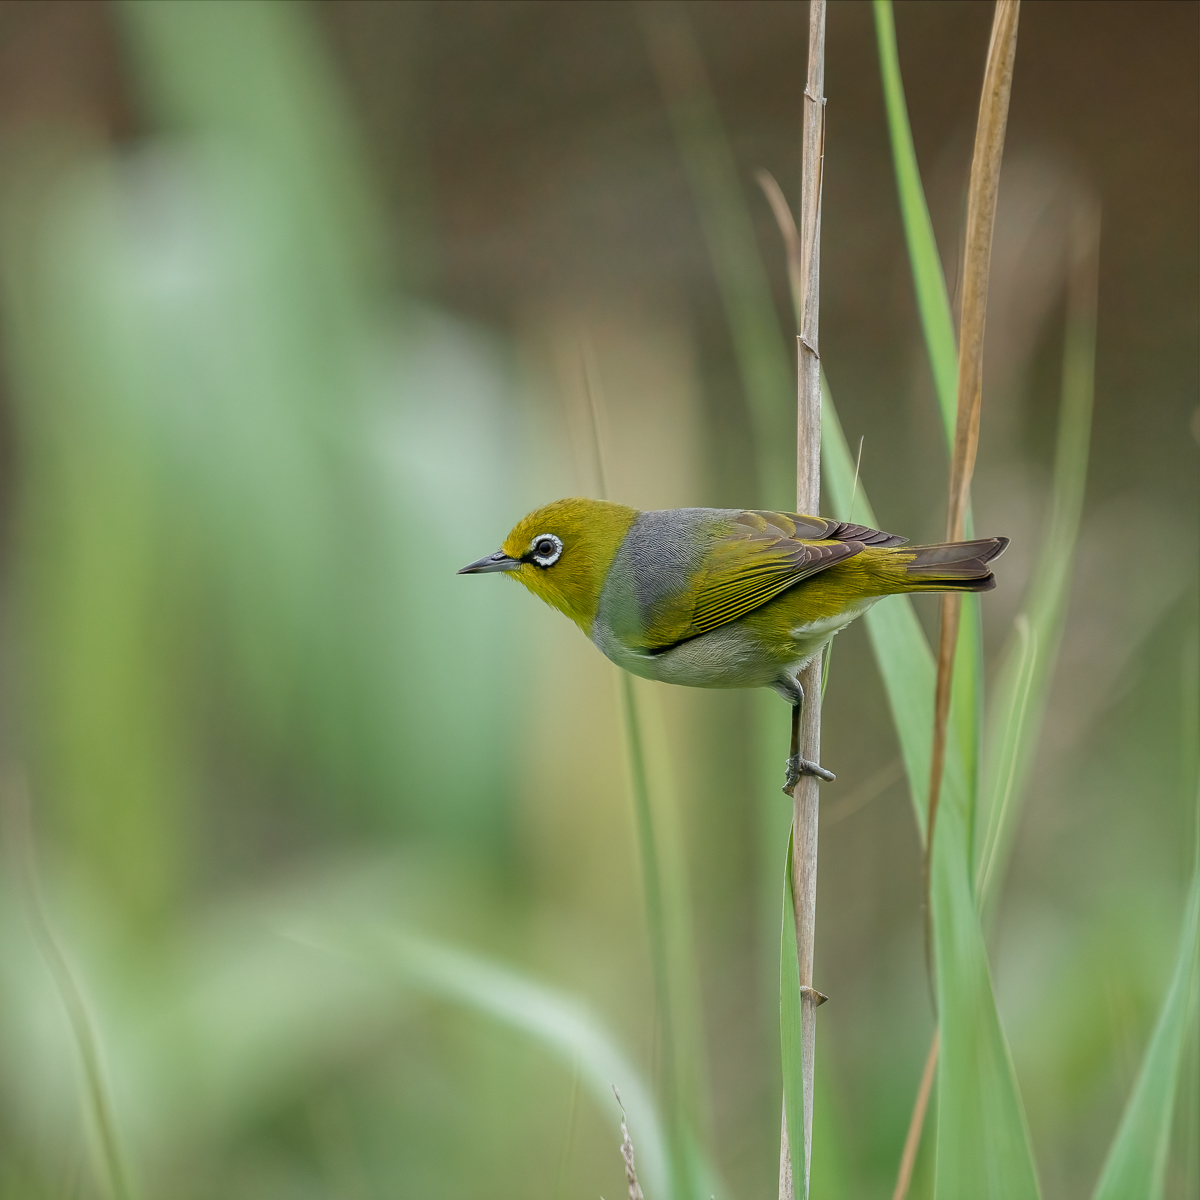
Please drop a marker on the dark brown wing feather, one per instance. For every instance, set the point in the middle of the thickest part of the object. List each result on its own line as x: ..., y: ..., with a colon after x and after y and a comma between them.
x: 823, y: 529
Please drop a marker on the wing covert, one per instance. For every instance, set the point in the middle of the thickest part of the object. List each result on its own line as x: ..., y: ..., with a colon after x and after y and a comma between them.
x: 763, y: 554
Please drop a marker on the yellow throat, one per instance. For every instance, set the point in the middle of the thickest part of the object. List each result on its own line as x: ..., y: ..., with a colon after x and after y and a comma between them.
x: 590, y: 533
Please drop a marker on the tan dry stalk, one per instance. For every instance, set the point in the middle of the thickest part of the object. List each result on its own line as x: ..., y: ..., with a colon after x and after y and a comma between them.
x: 807, y: 738
x: 631, y: 1179
x: 912, y: 1141
x: 791, y: 235
x: 977, y: 259
x: 981, y: 216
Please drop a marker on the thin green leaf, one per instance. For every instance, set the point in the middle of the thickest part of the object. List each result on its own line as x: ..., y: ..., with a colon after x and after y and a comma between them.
x: 556, y: 1021
x: 765, y: 359
x: 1022, y: 687
x: 669, y: 930
x: 988, y: 1120
x: 937, y: 324
x: 1137, y: 1160
x: 902, y: 653
x: 97, y: 1097
x: 983, y: 1148
x: 1014, y: 695
x: 929, y: 281
x: 901, y: 650
x: 790, y: 1015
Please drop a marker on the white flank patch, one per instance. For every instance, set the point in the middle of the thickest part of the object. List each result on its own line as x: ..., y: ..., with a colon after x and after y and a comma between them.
x: 817, y: 629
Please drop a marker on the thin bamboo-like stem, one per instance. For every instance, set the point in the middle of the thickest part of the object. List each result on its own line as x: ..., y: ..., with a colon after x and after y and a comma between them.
x: 806, y: 795
x: 981, y: 214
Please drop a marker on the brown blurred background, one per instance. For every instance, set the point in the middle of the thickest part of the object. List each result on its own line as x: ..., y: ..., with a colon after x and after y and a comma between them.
x: 530, y: 192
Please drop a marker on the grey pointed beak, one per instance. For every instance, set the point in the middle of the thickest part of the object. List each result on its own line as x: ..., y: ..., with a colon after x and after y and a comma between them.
x: 491, y: 562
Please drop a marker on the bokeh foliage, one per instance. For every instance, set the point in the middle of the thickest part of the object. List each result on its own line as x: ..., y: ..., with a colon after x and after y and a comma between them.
x: 339, y: 848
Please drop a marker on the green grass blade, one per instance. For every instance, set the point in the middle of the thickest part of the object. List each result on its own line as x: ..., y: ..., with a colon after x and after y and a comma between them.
x: 669, y: 932
x: 1137, y: 1160
x: 933, y: 305
x: 933, y: 302
x: 1009, y: 738
x: 982, y: 1135
x: 901, y: 650
x: 96, y: 1091
x: 790, y: 1040
x: 983, y: 1148
x: 905, y: 660
x: 766, y: 366
x: 1023, y: 684
x: 902, y: 653
x: 557, y: 1022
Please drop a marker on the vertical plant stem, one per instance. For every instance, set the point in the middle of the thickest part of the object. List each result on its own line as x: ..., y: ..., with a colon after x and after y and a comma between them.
x: 1022, y: 689
x: 669, y: 932
x: 912, y: 1140
x: 656, y: 927
x: 764, y: 367
x: 806, y: 795
x: 928, y: 281
x: 981, y: 214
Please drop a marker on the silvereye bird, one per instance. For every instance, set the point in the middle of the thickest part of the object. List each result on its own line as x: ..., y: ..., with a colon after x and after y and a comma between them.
x: 719, y: 597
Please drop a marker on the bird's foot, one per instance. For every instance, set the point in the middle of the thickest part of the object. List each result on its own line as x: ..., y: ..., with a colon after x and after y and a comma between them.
x: 797, y: 766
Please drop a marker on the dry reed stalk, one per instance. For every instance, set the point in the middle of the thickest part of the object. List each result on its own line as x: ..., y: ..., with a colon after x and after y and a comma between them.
x: 977, y: 257
x: 912, y: 1140
x: 806, y: 721
x: 631, y: 1179
x: 791, y: 235
x: 981, y: 216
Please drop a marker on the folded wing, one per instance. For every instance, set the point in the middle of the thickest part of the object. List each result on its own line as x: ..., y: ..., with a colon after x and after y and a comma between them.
x: 762, y: 555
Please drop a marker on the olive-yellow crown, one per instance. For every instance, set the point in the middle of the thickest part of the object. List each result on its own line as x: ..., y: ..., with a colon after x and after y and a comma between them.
x: 562, y: 552
x: 565, y: 549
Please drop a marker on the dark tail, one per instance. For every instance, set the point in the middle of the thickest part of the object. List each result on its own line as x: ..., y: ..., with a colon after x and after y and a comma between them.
x: 954, y: 566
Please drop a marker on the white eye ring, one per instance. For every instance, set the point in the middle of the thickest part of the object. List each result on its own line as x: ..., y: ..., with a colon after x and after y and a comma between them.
x: 542, y: 558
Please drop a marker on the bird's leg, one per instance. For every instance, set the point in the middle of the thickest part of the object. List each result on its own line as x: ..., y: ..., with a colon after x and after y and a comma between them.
x: 797, y: 766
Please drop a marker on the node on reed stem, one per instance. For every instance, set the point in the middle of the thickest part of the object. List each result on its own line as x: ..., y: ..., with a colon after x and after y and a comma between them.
x: 807, y: 721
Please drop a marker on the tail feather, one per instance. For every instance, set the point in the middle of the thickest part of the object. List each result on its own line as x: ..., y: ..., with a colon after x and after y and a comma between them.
x: 954, y: 566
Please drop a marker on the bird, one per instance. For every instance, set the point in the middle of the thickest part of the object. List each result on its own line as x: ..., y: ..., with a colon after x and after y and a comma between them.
x: 722, y: 598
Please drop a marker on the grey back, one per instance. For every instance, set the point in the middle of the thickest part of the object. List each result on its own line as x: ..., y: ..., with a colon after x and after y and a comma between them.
x: 657, y: 561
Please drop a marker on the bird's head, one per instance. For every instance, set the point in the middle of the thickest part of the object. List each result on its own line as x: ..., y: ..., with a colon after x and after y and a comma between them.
x: 562, y: 552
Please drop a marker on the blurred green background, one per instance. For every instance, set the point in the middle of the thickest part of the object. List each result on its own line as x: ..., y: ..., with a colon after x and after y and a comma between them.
x: 296, y: 302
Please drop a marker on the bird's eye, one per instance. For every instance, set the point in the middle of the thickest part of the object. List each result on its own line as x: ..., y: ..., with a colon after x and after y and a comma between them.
x: 545, y: 549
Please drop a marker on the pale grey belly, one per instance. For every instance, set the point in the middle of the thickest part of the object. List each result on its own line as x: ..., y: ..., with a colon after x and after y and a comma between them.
x: 730, y: 656
x: 727, y: 657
